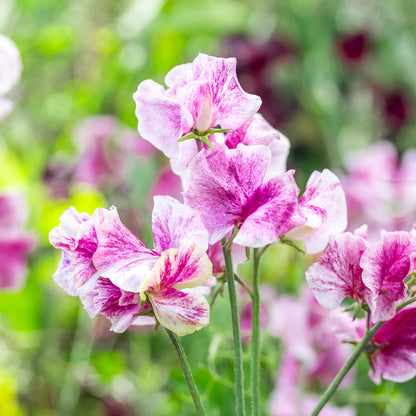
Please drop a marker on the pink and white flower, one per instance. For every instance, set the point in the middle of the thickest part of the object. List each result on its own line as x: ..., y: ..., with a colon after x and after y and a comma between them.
x: 228, y: 189
x: 201, y: 95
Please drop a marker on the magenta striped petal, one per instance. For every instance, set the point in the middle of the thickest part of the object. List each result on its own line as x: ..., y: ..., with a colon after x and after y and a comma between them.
x: 173, y: 221
x: 120, y: 255
x: 396, y: 361
x: 386, y: 264
x: 182, y: 313
x: 185, y: 267
x: 338, y: 273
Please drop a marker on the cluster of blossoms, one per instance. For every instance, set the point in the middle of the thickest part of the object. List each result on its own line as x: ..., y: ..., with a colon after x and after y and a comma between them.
x: 375, y: 275
x: 10, y: 70
x: 237, y: 194
x: 233, y: 184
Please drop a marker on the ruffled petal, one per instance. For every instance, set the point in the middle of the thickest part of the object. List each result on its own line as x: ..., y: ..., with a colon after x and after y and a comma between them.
x: 386, y: 264
x: 338, y: 273
x: 181, y: 313
x: 120, y: 255
x: 396, y: 361
x: 324, y: 206
x: 162, y: 119
x: 185, y: 267
x: 269, y: 211
x: 172, y: 221
x: 219, y: 185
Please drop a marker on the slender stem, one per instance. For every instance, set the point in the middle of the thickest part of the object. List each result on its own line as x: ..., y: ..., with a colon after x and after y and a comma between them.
x: 255, y: 337
x: 187, y: 373
x: 243, y: 285
x: 345, y: 368
x: 352, y: 359
x: 238, y: 348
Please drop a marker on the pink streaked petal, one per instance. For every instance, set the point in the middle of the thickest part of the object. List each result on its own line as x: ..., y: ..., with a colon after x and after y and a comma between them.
x: 386, y: 264
x: 162, y: 119
x: 338, y: 273
x: 172, y: 221
x: 232, y: 107
x: 270, y: 209
x: 185, y: 267
x: 118, y: 306
x: 219, y: 185
x: 63, y: 275
x: 64, y: 236
x: 397, y: 360
x: 324, y: 206
x: 181, y: 313
x: 120, y: 255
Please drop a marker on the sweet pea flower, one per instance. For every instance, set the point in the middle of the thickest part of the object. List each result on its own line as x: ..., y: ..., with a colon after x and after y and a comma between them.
x: 201, y: 95
x: 395, y: 353
x: 15, y: 243
x: 228, y: 189
x: 386, y: 264
x: 125, y: 260
x: 10, y: 70
x: 322, y: 211
x: 338, y: 273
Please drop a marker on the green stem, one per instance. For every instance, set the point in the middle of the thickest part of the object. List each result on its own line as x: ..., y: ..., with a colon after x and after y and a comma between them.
x: 345, y: 368
x: 255, y: 337
x: 238, y: 348
x: 352, y: 359
x: 187, y: 373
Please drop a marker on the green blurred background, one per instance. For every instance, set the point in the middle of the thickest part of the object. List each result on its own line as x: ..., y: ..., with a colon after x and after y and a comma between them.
x: 333, y: 76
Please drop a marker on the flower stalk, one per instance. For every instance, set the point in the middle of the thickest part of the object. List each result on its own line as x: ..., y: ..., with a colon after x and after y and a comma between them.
x: 255, y: 337
x: 238, y: 347
x: 187, y: 373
